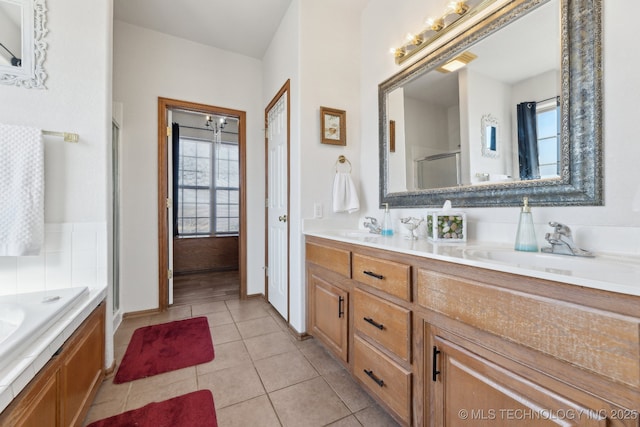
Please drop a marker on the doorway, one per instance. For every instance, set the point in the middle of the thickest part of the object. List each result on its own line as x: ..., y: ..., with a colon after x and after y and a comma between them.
x: 205, y: 212
x: 277, y: 117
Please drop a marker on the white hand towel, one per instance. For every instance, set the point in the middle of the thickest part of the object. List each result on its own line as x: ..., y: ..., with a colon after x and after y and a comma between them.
x: 21, y: 190
x: 345, y: 196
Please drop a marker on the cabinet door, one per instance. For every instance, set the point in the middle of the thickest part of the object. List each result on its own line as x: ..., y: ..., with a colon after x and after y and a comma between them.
x: 329, y: 314
x: 43, y: 410
x: 468, y: 390
x: 82, y: 369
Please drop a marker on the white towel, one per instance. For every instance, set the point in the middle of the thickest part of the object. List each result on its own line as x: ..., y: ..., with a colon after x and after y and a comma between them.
x: 21, y: 190
x: 345, y: 196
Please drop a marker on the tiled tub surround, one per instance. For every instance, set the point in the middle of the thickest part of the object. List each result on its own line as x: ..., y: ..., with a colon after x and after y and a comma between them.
x: 74, y: 254
x: 606, y: 272
x: 26, y: 363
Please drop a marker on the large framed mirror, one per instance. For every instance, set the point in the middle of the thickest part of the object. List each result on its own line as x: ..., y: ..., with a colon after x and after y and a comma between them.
x: 521, y: 118
x: 22, y: 44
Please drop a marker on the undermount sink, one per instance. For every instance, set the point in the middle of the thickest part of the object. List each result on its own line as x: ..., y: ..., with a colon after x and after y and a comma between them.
x: 606, y: 268
x: 357, y: 233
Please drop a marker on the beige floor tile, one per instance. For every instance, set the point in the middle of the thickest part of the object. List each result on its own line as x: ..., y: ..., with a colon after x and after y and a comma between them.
x: 100, y: 411
x: 256, y: 327
x: 138, y: 399
x: 349, y: 391
x: 269, y: 345
x: 173, y: 313
x: 209, y: 307
x: 251, y: 303
x: 283, y: 370
x: 109, y: 391
x: 320, y: 358
x: 253, y: 412
x: 248, y: 313
x: 226, y: 356
x: 232, y: 385
x: 374, y: 416
x: 152, y: 383
x: 224, y: 333
x: 350, y: 421
x: 311, y: 403
x: 219, y: 318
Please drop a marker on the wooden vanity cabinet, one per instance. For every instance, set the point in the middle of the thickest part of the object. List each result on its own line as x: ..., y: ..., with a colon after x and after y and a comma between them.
x: 328, y: 272
x: 443, y: 344
x: 329, y: 313
x: 62, y: 392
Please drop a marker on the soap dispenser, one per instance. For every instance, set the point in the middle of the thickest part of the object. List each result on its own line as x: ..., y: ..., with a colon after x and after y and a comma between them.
x: 526, y: 237
x: 387, y: 227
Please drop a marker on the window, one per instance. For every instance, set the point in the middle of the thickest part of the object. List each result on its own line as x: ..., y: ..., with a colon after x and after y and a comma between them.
x: 208, y: 188
x: 547, y: 117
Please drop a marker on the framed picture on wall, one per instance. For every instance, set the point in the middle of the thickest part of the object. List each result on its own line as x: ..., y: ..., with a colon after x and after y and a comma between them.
x: 333, y: 126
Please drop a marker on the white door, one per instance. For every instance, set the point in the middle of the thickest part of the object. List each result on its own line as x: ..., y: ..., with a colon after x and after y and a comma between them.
x: 278, y: 207
x: 170, y: 203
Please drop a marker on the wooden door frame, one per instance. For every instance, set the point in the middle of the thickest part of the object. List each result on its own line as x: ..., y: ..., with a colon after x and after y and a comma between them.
x: 285, y: 89
x: 165, y: 104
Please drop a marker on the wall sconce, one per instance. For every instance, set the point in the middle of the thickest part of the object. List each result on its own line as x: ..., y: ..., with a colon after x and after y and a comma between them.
x: 456, y: 12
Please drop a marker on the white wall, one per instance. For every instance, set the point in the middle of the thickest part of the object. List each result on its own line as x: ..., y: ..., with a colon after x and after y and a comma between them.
x: 148, y: 65
x: 486, y: 95
x: 324, y: 72
x: 77, y: 99
x: 613, y: 227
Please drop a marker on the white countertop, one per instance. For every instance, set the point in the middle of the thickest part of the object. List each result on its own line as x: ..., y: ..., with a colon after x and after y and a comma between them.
x: 18, y: 374
x: 614, y: 273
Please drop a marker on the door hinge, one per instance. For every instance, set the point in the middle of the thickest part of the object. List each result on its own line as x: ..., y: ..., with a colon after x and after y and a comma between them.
x: 168, y: 130
x: 266, y: 271
x: 266, y: 202
x: 169, y: 203
x: 169, y: 274
x: 266, y: 133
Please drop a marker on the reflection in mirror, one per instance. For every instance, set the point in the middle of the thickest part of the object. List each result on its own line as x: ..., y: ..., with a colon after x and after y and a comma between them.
x: 22, y: 43
x: 10, y: 34
x: 463, y: 134
x: 490, y: 130
x: 441, y: 109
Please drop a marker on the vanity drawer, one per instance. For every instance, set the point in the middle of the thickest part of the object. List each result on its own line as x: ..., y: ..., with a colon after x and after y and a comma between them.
x: 583, y: 336
x: 384, y: 322
x: 383, y: 377
x: 391, y: 277
x: 334, y: 259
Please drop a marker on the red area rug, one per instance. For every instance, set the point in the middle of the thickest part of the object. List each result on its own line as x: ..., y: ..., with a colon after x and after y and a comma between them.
x: 189, y: 410
x: 166, y: 347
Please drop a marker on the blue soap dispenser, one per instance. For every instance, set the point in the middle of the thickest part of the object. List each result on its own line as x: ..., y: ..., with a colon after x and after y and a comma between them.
x: 526, y: 236
x: 387, y: 226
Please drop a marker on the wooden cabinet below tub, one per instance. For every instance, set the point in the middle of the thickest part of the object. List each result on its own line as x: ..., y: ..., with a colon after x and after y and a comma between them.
x: 62, y: 392
x: 439, y: 343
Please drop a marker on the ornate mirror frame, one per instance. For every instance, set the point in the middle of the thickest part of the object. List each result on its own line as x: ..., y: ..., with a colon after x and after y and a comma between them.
x: 34, y: 29
x: 581, y: 177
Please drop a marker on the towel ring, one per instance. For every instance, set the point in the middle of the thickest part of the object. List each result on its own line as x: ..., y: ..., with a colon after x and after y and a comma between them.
x: 342, y: 160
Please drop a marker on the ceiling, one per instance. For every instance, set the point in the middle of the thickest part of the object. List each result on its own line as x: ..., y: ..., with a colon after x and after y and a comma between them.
x: 241, y: 26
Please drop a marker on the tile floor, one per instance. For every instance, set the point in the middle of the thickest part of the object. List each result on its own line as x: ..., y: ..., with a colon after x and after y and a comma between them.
x: 261, y: 375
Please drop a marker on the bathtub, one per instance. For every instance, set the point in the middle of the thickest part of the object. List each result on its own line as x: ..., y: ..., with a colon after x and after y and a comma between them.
x: 24, y: 317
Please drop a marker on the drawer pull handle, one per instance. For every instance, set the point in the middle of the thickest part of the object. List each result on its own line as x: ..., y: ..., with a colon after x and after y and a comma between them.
x: 374, y: 323
x: 434, y: 365
x: 374, y: 378
x: 372, y: 274
x: 340, y: 305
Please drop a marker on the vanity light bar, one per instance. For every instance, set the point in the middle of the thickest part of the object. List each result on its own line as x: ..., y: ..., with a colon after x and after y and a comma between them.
x: 457, y: 12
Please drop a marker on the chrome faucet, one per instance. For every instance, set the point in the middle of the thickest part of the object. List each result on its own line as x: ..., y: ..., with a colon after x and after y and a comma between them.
x: 562, y: 243
x: 372, y: 225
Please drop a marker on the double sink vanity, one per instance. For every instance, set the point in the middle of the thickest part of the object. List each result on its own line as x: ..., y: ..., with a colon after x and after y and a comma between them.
x: 473, y: 334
